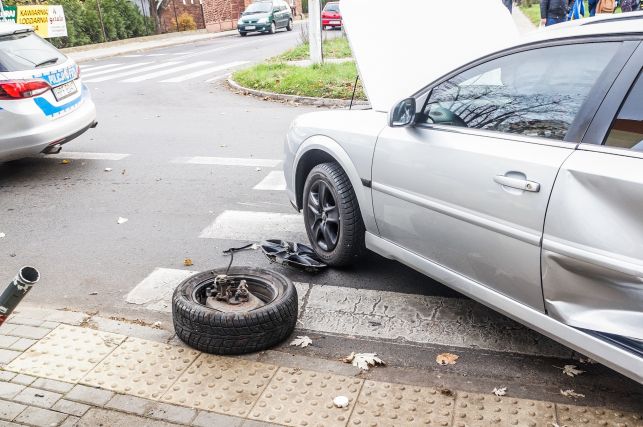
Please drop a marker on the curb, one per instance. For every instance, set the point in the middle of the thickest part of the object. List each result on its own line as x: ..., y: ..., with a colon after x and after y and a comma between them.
x: 303, y: 100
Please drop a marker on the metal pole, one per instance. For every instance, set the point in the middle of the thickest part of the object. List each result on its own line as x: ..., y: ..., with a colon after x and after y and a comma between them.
x: 100, y: 18
x: 315, y: 31
x: 176, y: 18
x: 16, y: 291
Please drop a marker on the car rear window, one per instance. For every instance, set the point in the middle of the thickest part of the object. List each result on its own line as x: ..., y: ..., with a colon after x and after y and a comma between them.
x: 331, y: 8
x: 26, y: 51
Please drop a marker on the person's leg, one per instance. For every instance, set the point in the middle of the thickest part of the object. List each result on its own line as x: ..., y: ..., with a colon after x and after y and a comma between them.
x: 592, y: 7
x: 554, y: 21
x: 627, y: 6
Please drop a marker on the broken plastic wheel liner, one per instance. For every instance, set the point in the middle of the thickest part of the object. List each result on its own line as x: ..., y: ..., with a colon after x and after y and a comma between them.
x: 292, y: 254
x: 234, y: 310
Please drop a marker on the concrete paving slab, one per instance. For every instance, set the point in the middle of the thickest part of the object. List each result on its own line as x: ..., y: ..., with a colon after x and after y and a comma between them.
x: 22, y: 344
x: 221, y: 384
x: 37, y: 397
x: 7, y: 340
x: 172, y: 413
x: 10, y: 410
x: 23, y: 379
x: 71, y: 408
x: 90, y: 395
x: 130, y: 404
x: 52, y: 385
x: 103, y: 417
x: 33, y: 332
x: 10, y: 390
x: 40, y: 417
x: 67, y: 354
x: 142, y: 368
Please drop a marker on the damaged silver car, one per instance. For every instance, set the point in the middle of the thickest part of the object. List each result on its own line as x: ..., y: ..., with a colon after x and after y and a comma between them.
x: 516, y: 178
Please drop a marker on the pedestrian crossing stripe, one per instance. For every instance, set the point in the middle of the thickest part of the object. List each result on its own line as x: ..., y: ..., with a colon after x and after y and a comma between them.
x: 131, y: 72
x: 149, y: 76
x: 92, y: 73
x: 255, y: 226
x: 98, y: 67
x: 210, y: 70
x: 274, y: 181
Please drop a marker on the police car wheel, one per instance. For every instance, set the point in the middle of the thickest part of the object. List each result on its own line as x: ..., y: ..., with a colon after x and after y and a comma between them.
x: 267, y: 319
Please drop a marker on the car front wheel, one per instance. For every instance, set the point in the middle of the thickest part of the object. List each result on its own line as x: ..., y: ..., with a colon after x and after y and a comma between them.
x: 273, y: 28
x: 242, y: 33
x: 289, y: 26
x: 331, y: 215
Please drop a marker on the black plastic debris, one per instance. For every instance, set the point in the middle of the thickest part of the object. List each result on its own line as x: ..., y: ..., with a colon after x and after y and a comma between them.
x: 292, y: 254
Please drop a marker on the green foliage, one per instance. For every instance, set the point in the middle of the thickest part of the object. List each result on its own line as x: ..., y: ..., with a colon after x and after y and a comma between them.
x: 121, y: 18
x: 333, y: 48
x: 322, y: 81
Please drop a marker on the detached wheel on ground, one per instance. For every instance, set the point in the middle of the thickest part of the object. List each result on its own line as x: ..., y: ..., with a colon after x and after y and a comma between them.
x: 331, y: 215
x: 207, y: 323
x: 273, y: 28
x: 289, y: 26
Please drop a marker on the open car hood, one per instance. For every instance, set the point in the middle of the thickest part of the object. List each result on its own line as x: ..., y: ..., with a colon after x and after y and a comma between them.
x: 402, y: 45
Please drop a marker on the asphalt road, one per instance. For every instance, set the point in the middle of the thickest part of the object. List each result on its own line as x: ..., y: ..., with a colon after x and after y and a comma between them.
x: 165, y: 116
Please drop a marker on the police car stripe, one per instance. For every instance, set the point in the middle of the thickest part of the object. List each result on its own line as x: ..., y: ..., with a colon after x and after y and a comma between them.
x: 130, y: 72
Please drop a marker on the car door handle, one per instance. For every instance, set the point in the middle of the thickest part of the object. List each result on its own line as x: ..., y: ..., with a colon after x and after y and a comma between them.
x: 520, y: 184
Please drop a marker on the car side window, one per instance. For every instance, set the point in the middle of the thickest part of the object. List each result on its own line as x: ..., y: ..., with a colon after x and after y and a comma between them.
x: 627, y: 128
x: 533, y: 93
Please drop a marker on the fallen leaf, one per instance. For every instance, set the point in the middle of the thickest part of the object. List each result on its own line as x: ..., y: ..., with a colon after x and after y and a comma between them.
x: 93, y: 293
x: 157, y: 325
x: 500, y: 391
x: 587, y: 361
x: 571, y: 393
x: 108, y: 169
x: 301, y: 341
x: 570, y: 370
x: 363, y: 360
x: 123, y: 172
x: 65, y: 162
x: 121, y: 220
x: 187, y: 262
x: 446, y: 359
x: 340, y: 401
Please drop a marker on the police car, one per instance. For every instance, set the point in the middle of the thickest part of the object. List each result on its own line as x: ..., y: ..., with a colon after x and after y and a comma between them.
x: 43, y: 103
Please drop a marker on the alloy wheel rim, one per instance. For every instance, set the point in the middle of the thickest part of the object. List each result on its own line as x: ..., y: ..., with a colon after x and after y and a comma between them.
x: 324, y: 216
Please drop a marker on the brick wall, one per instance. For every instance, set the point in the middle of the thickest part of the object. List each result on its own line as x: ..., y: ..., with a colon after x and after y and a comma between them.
x: 167, y: 18
x: 222, y: 15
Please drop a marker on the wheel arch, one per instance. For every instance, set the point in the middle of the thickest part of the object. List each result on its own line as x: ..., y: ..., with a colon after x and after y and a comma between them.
x: 321, y: 149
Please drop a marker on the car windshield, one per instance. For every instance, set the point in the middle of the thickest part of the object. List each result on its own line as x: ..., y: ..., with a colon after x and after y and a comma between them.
x: 332, y: 7
x: 262, y: 7
x: 26, y: 51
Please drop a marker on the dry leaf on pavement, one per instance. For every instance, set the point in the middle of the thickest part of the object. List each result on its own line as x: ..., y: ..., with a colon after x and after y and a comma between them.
x: 571, y: 393
x: 446, y: 359
x: 187, y: 262
x: 364, y: 360
x: 500, y: 391
x: 570, y: 370
x: 65, y: 162
x: 301, y: 341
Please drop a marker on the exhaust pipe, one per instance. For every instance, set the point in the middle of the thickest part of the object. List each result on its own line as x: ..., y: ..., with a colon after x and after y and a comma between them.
x: 16, y: 291
x: 53, y: 149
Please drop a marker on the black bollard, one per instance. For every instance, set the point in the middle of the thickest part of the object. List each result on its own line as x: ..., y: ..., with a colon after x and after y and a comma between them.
x: 16, y: 291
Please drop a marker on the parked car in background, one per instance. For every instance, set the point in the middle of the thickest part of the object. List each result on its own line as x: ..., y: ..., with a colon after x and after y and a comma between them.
x: 265, y: 17
x: 516, y: 179
x: 43, y: 102
x: 331, y: 16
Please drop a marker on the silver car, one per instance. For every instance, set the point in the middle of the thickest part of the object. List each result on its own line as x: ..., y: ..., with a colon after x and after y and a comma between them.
x: 43, y: 103
x: 516, y: 179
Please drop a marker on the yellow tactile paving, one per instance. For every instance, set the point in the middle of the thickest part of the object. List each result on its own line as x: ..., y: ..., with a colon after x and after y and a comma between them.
x: 572, y: 415
x: 385, y: 404
x: 472, y: 409
x: 142, y: 368
x: 67, y: 353
x: 221, y: 384
x: 297, y: 397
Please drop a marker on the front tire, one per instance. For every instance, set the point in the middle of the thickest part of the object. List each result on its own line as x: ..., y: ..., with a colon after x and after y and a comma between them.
x: 331, y: 215
x: 273, y: 28
x: 243, y: 34
x: 289, y: 26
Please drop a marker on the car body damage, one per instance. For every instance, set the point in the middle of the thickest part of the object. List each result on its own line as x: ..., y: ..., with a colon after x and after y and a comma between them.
x: 593, y: 245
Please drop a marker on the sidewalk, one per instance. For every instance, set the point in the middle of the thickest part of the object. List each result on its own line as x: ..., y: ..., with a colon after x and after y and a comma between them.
x: 120, y: 47
x: 65, y: 368
x: 523, y: 23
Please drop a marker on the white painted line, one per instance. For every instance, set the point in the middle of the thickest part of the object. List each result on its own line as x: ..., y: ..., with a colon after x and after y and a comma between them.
x: 228, y: 161
x: 130, y: 56
x: 255, y: 226
x: 219, y: 77
x: 130, y: 72
x: 155, y: 291
x: 95, y: 68
x: 274, y: 181
x: 166, y: 72
x: 157, y: 54
x: 80, y: 155
x: 91, y: 73
x: 210, y: 70
x: 383, y: 315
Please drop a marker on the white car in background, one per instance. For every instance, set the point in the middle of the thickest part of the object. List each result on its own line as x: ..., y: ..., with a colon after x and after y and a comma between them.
x: 43, y: 103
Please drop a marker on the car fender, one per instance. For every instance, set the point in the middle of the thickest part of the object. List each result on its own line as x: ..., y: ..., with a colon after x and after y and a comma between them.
x: 333, y: 149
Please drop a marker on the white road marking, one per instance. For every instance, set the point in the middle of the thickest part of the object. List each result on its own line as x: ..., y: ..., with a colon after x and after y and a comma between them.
x: 228, y: 161
x: 81, y: 155
x: 382, y: 315
x: 166, y: 72
x: 157, y: 54
x: 155, y: 291
x: 92, y: 73
x: 210, y: 70
x: 130, y: 56
x: 274, y: 181
x: 219, y: 77
x: 255, y: 226
x: 130, y: 72
x: 95, y: 68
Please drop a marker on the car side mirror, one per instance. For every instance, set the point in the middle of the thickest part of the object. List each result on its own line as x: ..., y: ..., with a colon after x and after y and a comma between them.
x: 403, y: 114
x: 276, y: 9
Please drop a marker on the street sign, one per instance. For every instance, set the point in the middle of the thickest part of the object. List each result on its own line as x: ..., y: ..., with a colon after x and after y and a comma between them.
x: 47, y: 21
x: 8, y: 14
